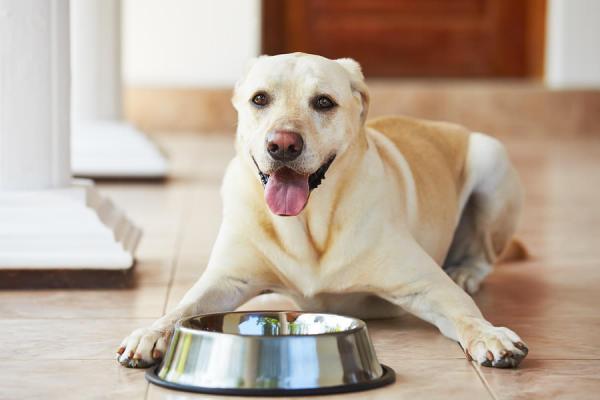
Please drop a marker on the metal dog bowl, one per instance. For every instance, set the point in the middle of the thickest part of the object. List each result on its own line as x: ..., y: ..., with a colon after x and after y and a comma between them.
x: 270, y: 353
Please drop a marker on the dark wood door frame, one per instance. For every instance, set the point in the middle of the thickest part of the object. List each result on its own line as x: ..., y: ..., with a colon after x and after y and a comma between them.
x: 284, y: 21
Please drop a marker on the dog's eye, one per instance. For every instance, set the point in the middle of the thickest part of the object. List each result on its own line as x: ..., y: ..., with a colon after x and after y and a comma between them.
x: 260, y: 99
x: 323, y: 103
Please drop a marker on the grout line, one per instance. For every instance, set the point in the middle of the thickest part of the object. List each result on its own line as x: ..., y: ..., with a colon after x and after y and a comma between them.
x: 480, y: 376
x: 483, y: 380
x: 179, y: 239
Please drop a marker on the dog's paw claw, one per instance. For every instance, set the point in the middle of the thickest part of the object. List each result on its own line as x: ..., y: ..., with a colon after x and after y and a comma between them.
x: 496, y: 347
x: 521, y: 346
x: 120, y: 352
x: 510, y: 359
x: 143, y: 348
x: 135, y: 362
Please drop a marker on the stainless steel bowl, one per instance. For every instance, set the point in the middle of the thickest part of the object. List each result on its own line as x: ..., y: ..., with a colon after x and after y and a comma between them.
x: 270, y: 353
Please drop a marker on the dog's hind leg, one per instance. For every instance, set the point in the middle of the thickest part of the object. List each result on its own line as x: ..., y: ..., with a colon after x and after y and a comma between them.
x: 492, y: 201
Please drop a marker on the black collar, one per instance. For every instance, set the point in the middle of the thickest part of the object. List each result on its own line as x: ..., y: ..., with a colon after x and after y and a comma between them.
x: 314, y: 179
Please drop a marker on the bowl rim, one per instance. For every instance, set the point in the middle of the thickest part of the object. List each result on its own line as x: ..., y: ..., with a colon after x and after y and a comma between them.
x: 362, y: 326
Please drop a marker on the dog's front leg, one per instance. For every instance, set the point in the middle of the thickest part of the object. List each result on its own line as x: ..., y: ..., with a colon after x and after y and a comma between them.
x: 425, y: 290
x: 235, y: 274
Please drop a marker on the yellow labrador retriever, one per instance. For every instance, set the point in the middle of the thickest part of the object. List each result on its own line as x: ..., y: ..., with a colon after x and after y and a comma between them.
x: 411, y: 213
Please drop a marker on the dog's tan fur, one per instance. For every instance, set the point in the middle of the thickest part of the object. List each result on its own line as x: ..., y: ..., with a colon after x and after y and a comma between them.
x: 436, y: 154
x: 407, y: 205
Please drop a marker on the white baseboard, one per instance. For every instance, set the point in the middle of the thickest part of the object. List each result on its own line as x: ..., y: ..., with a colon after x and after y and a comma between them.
x: 114, y: 149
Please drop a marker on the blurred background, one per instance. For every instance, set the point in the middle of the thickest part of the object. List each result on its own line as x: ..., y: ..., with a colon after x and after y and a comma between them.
x: 497, y: 65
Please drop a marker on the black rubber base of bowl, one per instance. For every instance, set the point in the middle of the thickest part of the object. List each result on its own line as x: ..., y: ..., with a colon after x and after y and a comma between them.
x: 389, y: 376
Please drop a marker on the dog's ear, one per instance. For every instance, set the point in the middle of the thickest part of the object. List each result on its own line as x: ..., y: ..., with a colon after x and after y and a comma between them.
x: 357, y: 83
x: 247, y: 67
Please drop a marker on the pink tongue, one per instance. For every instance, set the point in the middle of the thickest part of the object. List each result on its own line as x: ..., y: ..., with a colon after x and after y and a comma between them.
x: 286, y: 192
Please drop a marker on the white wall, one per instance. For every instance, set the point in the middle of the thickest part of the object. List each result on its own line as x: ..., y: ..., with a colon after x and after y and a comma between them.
x: 206, y: 43
x: 573, y: 43
x: 188, y: 42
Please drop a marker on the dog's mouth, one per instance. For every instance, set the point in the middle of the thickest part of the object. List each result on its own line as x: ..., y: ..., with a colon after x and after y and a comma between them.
x: 287, y: 191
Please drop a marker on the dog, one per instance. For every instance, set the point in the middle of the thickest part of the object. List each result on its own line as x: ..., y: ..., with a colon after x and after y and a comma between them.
x: 412, y: 216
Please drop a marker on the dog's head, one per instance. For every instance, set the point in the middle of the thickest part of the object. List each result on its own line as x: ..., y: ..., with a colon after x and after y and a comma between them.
x: 296, y: 114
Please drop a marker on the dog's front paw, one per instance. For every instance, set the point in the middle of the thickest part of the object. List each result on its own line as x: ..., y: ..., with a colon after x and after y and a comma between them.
x: 143, y: 347
x: 493, y: 346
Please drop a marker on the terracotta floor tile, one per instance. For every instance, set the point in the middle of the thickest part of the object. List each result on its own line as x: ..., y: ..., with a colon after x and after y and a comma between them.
x: 540, y: 289
x: 199, y: 233
x: 199, y: 158
x: 563, y: 338
x: 141, y: 302
x: 155, y: 260
x: 155, y: 208
x: 69, y: 379
x: 546, y: 379
x: 71, y: 339
x: 408, y: 338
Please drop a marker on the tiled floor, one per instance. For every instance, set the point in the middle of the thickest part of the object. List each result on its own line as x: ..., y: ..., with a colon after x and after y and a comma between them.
x: 60, y: 344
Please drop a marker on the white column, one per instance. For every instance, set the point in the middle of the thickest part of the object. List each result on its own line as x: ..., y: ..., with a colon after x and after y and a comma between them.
x: 96, y: 59
x: 572, y: 49
x: 103, y: 145
x: 34, y: 95
x: 53, y: 231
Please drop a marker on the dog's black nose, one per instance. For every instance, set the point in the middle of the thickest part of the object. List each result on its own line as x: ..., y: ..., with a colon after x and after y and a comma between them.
x: 284, y: 145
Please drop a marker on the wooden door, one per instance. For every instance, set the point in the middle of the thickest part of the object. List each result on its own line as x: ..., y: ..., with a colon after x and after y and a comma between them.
x: 412, y: 38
